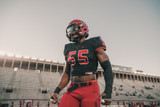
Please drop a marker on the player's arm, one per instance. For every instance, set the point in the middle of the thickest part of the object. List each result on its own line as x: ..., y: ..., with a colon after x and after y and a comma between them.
x: 64, y: 81
x: 108, y: 76
x: 65, y: 78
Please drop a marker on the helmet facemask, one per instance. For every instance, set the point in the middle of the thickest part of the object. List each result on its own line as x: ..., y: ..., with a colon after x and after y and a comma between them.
x: 72, y: 32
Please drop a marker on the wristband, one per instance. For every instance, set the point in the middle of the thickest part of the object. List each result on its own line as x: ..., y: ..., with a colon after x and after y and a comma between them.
x: 57, y: 90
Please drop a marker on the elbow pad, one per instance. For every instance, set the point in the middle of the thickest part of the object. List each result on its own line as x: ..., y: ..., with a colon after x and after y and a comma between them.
x: 108, y: 77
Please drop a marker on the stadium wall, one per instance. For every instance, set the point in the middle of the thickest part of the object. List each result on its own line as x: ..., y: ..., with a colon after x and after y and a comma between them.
x: 50, y: 66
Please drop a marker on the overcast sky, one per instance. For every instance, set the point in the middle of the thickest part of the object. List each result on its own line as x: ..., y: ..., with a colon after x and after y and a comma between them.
x: 130, y: 29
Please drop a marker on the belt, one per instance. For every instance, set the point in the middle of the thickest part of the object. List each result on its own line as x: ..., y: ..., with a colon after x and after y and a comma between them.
x: 77, y: 85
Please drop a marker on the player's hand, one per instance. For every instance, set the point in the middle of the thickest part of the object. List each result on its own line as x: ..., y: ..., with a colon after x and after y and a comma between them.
x: 54, y: 98
x: 105, y: 101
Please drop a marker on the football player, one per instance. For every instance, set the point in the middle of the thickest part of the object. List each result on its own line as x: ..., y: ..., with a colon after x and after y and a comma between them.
x: 82, y: 56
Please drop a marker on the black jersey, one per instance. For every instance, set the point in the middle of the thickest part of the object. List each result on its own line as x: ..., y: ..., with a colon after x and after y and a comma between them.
x: 83, y: 57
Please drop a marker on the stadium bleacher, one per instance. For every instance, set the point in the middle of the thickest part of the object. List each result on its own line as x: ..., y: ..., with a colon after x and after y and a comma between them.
x: 38, y: 87
x: 32, y: 81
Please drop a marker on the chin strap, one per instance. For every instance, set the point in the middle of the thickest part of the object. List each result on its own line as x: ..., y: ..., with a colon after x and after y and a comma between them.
x: 77, y: 38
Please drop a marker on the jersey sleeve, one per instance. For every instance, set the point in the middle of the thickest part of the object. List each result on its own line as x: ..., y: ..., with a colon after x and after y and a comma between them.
x: 65, y: 51
x: 98, y: 43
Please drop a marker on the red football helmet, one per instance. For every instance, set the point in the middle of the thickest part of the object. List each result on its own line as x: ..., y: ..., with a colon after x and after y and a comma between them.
x: 76, y: 30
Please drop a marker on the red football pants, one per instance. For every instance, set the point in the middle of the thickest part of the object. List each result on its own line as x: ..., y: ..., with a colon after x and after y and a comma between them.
x: 87, y: 96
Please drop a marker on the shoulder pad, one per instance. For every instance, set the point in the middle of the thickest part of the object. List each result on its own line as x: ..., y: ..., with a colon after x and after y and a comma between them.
x: 97, y: 43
